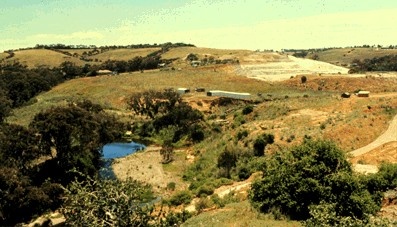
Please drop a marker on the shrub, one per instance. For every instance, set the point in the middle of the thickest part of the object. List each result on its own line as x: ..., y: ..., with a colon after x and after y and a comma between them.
x: 248, y: 109
x: 261, y: 142
x: 171, y: 186
x: 242, y: 134
x: 203, y: 203
x: 303, y: 79
x: 205, y: 190
x: 127, y: 204
x: 181, y: 197
x: 307, y: 174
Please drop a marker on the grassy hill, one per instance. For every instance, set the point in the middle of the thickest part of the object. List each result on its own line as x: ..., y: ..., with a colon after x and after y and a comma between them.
x: 123, y: 54
x: 289, y: 110
x: 182, y: 52
x: 43, y: 57
x: 3, y: 56
x: 345, y: 56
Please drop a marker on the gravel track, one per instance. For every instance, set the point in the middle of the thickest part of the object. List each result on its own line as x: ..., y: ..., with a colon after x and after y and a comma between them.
x: 389, y: 136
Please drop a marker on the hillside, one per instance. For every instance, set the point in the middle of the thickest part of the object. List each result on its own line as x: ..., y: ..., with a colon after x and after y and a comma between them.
x: 123, y: 54
x: 282, y: 105
x: 344, y: 56
x: 43, y: 57
x: 3, y: 56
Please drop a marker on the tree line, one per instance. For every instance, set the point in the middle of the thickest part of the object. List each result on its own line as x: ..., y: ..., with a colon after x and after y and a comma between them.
x: 91, y: 46
x: 384, y: 63
x: 38, y: 162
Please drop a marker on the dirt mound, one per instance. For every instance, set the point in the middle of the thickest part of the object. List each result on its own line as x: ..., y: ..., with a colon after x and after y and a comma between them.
x: 343, y: 83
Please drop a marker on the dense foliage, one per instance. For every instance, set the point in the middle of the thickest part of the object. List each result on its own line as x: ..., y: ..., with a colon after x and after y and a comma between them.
x: 35, y: 162
x: 167, y: 111
x: 76, y: 133
x: 384, y: 63
x: 108, y: 203
x: 306, y: 175
x: 19, y: 84
x: 117, y: 203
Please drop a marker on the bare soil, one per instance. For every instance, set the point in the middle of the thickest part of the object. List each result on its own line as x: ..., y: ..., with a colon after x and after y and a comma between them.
x: 144, y: 166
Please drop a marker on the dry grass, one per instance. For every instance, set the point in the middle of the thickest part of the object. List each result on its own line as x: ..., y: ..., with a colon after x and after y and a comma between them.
x: 42, y: 57
x: 182, y: 52
x: 3, y: 56
x: 347, y: 55
x: 237, y: 214
x: 123, y: 54
x: 77, y: 51
x: 113, y: 91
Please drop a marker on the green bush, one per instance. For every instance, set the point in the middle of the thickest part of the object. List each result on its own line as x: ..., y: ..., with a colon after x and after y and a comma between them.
x: 182, y: 197
x: 171, y: 186
x: 242, y: 134
x: 248, y: 109
x: 205, y: 190
x: 261, y: 142
x: 203, y: 203
x: 127, y: 203
x: 306, y: 175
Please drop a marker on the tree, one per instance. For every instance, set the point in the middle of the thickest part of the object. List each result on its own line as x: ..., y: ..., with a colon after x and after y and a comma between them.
x: 303, y: 79
x: 127, y: 203
x: 18, y: 147
x: 153, y: 103
x: 308, y: 174
x: 5, y: 106
x: 77, y: 134
x: 70, y: 70
x: 167, y: 152
x: 165, y: 109
x: 261, y: 142
x: 227, y: 160
x: 20, y: 200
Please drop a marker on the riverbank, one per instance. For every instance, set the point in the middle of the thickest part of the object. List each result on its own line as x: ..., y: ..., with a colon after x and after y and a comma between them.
x: 144, y: 166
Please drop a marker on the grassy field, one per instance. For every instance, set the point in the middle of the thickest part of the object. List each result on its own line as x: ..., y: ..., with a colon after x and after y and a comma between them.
x: 76, y: 51
x: 289, y: 110
x: 182, y: 52
x: 3, y: 55
x: 123, y: 54
x: 237, y: 214
x: 347, y: 55
x: 42, y: 57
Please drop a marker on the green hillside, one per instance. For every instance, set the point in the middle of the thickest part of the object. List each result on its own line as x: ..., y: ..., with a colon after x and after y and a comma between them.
x: 345, y: 56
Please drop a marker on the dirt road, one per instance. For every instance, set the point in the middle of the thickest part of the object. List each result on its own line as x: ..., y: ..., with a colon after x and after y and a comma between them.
x: 389, y: 136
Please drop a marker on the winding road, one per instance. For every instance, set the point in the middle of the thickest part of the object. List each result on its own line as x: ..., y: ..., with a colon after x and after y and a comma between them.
x: 389, y: 136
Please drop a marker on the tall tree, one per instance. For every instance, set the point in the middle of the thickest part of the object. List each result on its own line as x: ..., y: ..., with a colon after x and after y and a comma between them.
x: 76, y: 133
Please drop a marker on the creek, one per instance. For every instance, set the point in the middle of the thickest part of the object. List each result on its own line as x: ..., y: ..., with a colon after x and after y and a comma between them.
x: 116, y: 150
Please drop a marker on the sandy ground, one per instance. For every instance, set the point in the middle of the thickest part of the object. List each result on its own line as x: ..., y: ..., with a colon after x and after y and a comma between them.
x: 384, y: 148
x: 285, y: 68
x: 144, y: 166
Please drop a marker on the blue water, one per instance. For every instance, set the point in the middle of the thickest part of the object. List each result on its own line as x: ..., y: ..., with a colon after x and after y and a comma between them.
x: 116, y: 150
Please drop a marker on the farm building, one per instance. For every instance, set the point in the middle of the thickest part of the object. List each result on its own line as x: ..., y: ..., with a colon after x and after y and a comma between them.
x: 363, y: 94
x: 104, y: 72
x: 183, y: 90
x: 195, y: 63
x: 235, y: 95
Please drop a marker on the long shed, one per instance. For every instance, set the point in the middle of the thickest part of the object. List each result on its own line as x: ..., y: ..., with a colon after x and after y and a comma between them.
x: 235, y: 95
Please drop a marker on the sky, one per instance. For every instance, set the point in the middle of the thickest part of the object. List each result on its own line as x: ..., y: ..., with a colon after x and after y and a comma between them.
x: 224, y: 24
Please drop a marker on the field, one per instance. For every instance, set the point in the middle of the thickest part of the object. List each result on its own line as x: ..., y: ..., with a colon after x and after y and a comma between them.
x: 284, y: 106
x: 42, y: 57
x: 182, y: 52
x: 123, y: 54
x: 3, y: 56
x: 347, y: 55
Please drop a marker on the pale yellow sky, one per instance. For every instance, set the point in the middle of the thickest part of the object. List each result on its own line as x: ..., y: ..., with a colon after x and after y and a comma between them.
x: 230, y: 24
